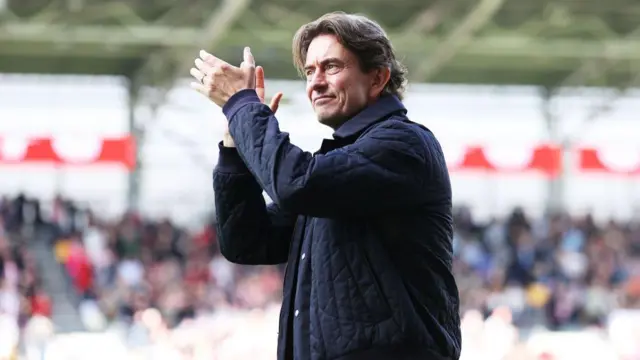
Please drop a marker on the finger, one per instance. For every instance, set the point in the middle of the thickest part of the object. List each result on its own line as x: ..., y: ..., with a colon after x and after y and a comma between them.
x: 259, y: 76
x: 209, y: 58
x: 275, y: 102
x: 202, y: 89
x: 204, y: 67
x: 248, y: 57
x: 197, y: 74
x: 260, y: 90
x: 211, y: 61
x: 204, y: 54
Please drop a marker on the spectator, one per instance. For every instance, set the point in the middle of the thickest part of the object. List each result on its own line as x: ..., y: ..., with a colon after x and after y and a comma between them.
x: 559, y: 272
x: 133, y: 264
x: 21, y: 297
x: 577, y: 271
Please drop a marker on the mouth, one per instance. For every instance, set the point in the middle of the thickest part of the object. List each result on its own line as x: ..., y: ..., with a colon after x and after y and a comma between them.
x: 322, y: 99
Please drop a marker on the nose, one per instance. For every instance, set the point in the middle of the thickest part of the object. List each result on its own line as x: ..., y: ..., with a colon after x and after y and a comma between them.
x: 317, y: 81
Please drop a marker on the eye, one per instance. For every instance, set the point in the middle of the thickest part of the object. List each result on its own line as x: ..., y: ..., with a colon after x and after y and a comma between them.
x: 308, y: 72
x: 331, y: 68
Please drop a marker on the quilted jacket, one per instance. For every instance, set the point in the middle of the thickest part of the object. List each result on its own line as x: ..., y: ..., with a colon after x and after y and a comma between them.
x: 364, y: 225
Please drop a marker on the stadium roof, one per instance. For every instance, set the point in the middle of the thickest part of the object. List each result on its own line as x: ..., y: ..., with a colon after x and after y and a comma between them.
x: 472, y: 41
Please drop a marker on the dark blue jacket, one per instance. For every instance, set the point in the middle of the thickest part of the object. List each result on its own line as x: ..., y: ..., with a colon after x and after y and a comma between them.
x: 365, y: 226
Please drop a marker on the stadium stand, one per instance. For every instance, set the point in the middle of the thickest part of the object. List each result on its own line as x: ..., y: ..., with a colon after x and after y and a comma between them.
x: 146, y: 278
x: 22, y: 297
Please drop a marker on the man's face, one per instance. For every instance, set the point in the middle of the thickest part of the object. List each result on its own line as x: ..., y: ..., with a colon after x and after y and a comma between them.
x: 336, y: 86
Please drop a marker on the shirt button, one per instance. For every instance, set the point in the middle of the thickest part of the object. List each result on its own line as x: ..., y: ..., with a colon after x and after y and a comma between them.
x: 304, y: 255
x: 296, y: 313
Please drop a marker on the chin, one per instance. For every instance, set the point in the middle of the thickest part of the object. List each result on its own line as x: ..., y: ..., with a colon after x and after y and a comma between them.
x: 331, y: 121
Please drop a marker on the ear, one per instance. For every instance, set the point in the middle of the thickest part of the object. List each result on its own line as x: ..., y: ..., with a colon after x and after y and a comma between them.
x: 380, y: 78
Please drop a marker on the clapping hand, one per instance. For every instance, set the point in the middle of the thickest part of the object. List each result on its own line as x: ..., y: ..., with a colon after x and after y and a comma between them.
x: 260, y: 90
x: 219, y: 80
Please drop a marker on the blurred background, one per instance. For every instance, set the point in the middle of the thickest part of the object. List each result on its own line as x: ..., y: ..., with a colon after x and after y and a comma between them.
x: 107, y: 231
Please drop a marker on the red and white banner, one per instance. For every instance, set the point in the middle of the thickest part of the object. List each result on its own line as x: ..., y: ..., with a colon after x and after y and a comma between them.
x: 545, y: 159
x: 72, y: 150
x: 542, y: 158
x: 614, y: 160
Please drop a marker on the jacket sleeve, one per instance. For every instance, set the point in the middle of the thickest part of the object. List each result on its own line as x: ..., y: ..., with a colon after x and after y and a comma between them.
x: 388, y: 167
x: 249, y: 232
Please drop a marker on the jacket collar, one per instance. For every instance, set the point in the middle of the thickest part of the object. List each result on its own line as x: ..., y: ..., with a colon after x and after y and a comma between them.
x: 381, y: 109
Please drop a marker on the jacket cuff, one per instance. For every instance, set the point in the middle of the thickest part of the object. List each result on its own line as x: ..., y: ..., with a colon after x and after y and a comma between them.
x: 238, y: 100
x: 230, y: 161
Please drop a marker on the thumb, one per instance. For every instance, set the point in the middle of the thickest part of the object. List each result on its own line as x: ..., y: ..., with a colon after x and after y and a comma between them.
x: 275, y: 102
x: 248, y: 57
x: 260, y: 83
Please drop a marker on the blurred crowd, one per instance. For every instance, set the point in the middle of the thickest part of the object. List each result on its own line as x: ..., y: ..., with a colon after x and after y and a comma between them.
x: 132, y: 264
x: 150, y: 278
x: 561, y: 272
x: 22, y: 297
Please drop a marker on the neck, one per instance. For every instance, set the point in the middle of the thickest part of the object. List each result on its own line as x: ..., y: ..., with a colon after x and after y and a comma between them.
x: 335, y: 123
x: 338, y: 121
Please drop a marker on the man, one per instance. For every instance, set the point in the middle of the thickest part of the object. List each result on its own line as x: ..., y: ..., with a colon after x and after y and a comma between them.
x: 364, y: 224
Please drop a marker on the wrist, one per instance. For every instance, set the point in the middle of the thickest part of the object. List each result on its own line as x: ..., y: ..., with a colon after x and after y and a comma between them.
x: 227, y: 141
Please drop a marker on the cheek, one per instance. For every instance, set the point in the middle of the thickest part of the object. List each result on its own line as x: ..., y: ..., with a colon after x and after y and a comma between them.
x: 309, y: 90
x: 353, y: 88
x: 340, y: 84
x: 342, y: 88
